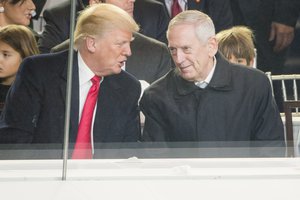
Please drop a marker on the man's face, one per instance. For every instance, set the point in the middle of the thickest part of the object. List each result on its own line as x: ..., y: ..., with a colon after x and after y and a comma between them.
x: 127, y: 5
x: 193, y: 58
x: 110, y: 52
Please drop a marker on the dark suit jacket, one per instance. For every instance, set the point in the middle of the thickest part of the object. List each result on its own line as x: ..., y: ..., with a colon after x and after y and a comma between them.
x: 258, y: 15
x: 218, y: 10
x: 150, y: 15
x: 39, y: 5
x: 35, y: 106
x: 149, y: 61
x: 57, y: 27
x: 237, y: 105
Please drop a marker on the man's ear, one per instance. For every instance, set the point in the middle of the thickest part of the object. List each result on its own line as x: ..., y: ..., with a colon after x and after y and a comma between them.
x: 212, y: 46
x: 90, y: 44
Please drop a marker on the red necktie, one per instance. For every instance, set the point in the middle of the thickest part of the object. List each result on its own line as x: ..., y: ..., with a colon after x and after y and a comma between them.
x: 83, y: 147
x: 175, y: 8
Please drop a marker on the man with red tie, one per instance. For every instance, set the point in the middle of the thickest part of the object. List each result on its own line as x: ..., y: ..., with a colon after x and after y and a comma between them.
x: 104, y: 105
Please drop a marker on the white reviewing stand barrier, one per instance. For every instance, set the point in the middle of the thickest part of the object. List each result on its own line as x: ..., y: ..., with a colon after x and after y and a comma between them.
x: 152, y: 179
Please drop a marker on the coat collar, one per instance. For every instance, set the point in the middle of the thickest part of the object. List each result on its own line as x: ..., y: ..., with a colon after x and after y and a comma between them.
x: 221, y: 79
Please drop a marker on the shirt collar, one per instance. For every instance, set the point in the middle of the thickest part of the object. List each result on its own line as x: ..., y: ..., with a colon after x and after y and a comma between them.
x: 210, y: 75
x: 182, y: 3
x: 179, y: 1
x: 221, y: 79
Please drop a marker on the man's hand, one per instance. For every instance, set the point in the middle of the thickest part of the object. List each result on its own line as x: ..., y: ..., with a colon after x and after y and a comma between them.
x: 283, y: 35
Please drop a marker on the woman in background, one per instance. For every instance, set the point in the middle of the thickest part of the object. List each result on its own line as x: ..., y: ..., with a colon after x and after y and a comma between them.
x: 16, y: 43
x: 16, y: 12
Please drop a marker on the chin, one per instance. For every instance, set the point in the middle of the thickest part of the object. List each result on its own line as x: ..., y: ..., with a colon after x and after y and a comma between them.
x: 25, y: 22
x: 117, y: 71
x: 186, y: 77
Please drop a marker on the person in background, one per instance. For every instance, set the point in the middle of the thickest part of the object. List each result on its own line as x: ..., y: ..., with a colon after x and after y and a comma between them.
x: 16, y: 12
x: 150, y: 58
x: 273, y: 22
x: 16, y: 43
x: 36, y: 15
x: 207, y: 98
x: 218, y: 10
x: 237, y: 45
x: 150, y: 15
x: 152, y: 18
x: 104, y: 101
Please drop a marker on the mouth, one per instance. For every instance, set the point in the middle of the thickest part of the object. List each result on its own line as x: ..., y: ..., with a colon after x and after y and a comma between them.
x: 183, y: 67
x: 122, y: 63
x: 28, y: 16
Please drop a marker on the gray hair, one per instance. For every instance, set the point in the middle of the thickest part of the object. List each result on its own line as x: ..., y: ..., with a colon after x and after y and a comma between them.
x: 204, y: 26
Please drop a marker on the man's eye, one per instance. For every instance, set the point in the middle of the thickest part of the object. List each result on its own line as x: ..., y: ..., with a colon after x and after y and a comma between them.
x: 186, y: 49
x: 172, y: 50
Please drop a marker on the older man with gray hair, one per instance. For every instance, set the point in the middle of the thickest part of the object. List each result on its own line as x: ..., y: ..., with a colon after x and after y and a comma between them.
x: 206, y: 98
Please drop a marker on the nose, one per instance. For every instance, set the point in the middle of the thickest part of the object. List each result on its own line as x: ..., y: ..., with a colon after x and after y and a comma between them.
x: 178, y: 56
x: 127, y: 50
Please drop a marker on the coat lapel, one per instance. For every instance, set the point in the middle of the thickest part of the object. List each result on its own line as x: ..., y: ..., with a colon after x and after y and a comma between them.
x: 221, y: 79
x: 109, y: 99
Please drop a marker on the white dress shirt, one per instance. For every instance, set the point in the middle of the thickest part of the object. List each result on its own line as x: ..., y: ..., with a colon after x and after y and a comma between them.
x: 204, y: 83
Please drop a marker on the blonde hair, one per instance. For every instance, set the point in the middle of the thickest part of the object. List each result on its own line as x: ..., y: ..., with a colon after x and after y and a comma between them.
x: 98, y: 19
x: 204, y: 25
x: 20, y: 38
x: 237, y: 41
